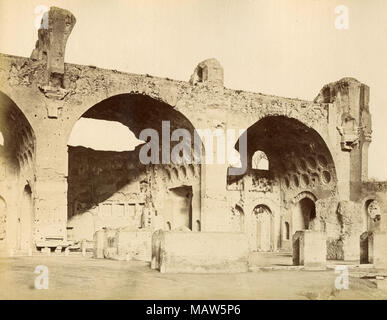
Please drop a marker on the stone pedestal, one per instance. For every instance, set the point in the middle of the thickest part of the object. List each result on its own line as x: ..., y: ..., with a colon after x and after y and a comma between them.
x: 310, y: 249
x: 351, y: 249
x: 200, y: 252
x: 99, y: 239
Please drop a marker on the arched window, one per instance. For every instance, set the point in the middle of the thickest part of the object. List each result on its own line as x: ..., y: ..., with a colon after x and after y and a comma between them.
x: 198, y: 226
x: 304, y: 215
x: 260, y: 161
x: 373, y: 214
x: 237, y: 219
x: 263, y: 226
x: 234, y: 159
x: 287, y: 231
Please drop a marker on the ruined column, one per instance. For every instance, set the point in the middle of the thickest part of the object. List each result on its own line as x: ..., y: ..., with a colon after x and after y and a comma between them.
x: 51, y: 148
x: 208, y: 75
x: 214, y: 198
x: 53, y: 33
x: 309, y: 249
x: 348, y: 104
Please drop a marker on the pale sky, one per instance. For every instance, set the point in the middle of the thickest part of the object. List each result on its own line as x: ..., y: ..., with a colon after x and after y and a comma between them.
x: 289, y: 48
x: 115, y: 137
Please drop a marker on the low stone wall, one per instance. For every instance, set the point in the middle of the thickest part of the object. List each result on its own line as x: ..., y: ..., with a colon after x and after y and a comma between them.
x: 199, y: 252
x: 122, y: 244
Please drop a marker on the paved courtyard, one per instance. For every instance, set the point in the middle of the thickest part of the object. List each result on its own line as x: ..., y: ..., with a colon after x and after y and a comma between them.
x: 77, y: 277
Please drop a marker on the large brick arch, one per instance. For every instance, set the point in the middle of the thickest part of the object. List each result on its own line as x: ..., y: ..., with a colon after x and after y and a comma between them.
x: 298, y: 155
x: 141, y: 113
x: 18, y: 167
x: 89, y: 102
x: 8, y: 101
x: 17, y: 129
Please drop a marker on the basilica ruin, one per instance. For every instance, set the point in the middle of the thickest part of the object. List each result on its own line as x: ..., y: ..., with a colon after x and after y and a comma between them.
x: 195, y: 216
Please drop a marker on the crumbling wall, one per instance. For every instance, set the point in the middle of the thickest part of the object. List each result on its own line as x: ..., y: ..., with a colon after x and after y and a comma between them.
x: 17, y: 165
x: 113, y: 189
x: 300, y: 163
x: 342, y: 222
x: 247, y: 192
x: 53, y: 95
x: 374, y: 191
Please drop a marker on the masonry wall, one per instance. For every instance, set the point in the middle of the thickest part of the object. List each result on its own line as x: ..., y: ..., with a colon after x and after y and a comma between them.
x: 53, y: 96
x: 109, y: 189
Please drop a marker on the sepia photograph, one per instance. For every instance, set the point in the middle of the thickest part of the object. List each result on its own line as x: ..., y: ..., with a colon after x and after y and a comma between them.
x: 193, y: 150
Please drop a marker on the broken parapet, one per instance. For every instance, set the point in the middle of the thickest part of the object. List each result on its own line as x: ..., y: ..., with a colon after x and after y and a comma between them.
x: 53, y: 33
x: 123, y: 244
x: 208, y: 71
x: 199, y: 252
x: 351, y: 98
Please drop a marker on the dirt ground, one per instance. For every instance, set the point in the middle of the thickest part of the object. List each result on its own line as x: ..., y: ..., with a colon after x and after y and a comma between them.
x: 77, y: 277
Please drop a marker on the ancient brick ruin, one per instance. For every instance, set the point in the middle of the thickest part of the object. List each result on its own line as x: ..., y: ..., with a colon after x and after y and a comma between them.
x: 55, y: 195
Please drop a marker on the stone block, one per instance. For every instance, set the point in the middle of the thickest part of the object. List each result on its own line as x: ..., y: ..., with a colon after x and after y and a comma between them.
x: 123, y: 244
x: 157, y: 248
x: 200, y: 252
x: 99, y: 239
x: 309, y: 249
x: 351, y: 249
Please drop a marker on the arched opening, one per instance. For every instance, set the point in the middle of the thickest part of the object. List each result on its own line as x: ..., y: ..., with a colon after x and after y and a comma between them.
x: 286, y: 231
x: 198, y: 226
x: 237, y: 219
x: 17, y: 165
x: 179, y: 203
x: 260, y: 161
x: 372, y: 219
x: 263, y: 229
x: 143, y: 176
x: 299, y: 157
x: 298, y: 161
x: 24, y: 221
x: 17, y: 138
x: 304, y: 214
